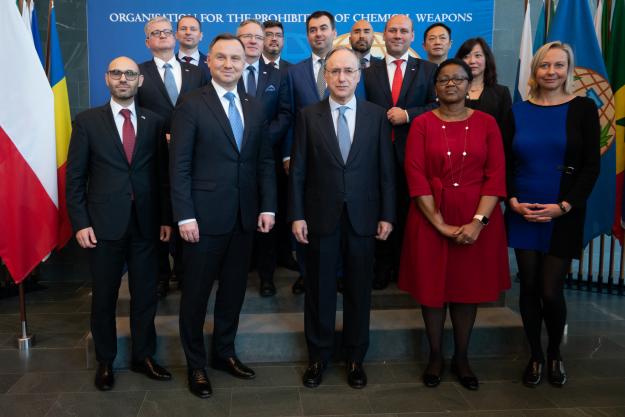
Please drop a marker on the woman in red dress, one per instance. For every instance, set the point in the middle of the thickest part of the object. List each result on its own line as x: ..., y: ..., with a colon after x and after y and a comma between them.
x: 455, y: 251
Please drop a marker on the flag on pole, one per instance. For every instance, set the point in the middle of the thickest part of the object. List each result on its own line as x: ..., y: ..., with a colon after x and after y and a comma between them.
x: 34, y: 26
x: 28, y: 183
x: 62, y: 121
x: 541, y: 28
x: 598, y: 23
x: 615, y: 57
x: 573, y: 25
x: 525, y: 58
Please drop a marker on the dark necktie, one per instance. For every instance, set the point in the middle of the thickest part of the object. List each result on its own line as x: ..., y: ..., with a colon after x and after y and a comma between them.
x: 364, y: 63
x: 251, y: 81
x: 187, y: 59
x: 321, y: 82
x: 128, y: 134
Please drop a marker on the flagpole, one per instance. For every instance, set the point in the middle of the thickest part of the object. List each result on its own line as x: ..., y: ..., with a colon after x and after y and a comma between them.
x: 24, y: 339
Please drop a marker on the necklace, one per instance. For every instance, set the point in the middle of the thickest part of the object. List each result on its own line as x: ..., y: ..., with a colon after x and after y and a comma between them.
x: 455, y: 181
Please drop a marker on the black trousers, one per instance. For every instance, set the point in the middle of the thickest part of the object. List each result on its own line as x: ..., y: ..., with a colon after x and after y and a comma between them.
x: 322, y: 256
x: 225, y: 258
x: 107, y: 261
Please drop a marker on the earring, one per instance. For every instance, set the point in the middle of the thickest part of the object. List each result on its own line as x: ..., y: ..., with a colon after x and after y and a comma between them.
x: 468, y: 97
x: 436, y: 98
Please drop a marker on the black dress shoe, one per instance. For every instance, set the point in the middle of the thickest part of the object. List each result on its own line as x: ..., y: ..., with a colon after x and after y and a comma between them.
x: 432, y: 380
x: 382, y: 279
x: 162, y: 288
x: 470, y: 381
x: 234, y: 367
x: 313, y: 374
x: 298, y: 286
x: 267, y: 288
x: 199, y: 384
x: 533, y: 374
x: 151, y: 369
x: 356, y: 376
x: 104, y: 377
x: 556, y: 373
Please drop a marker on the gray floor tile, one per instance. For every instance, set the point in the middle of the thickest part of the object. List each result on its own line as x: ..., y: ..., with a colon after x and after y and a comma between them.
x: 42, y: 360
x: 333, y: 400
x: 504, y: 396
x: 591, y: 347
x: 556, y: 412
x: 277, y: 376
x: 7, y: 381
x: 591, y: 392
x: 52, y: 382
x: 181, y: 403
x: 52, y: 340
x: 604, y: 412
x: 409, y: 398
x: 265, y: 402
x: 98, y: 404
x: 29, y: 405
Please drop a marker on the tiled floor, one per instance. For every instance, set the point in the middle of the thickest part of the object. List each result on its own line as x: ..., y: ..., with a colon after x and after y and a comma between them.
x: 52, y: 381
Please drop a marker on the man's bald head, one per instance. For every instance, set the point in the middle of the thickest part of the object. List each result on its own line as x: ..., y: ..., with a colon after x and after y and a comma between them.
x: 123, y: 79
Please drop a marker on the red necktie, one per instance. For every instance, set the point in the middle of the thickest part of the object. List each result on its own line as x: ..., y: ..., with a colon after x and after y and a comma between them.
x: 187, y: 59
x: 128, y: 134
x: 397, y: 80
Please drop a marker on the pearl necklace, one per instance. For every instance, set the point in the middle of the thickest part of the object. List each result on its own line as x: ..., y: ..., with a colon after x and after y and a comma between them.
x: 456, y: 181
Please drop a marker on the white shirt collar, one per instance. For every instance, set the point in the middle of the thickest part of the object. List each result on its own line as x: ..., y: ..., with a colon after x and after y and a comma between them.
x: 351, y: 104
x: 267, y: 60
x: 315, y: 58
x: 389, y: 59
x: 221, y: 91
x: 159, y: 62
x: 195, y: 55
x: 116, y: 108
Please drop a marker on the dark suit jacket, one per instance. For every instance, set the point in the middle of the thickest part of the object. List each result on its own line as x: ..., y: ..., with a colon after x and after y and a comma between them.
x: 101, y: 183
x: 211, y: 180
x: 202, y: 65
x: 494, y: 100
x: 152, y: 95
x: 416, y: 96
x: 320, y: 183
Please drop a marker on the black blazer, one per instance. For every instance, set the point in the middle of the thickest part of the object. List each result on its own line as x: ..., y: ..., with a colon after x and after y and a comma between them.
x: 101, y: 183
x: 416, y: 96
x: 494, y: 100
x: 320, y: 183
x: 152, y: 95
x: 211, y: 180
x: 579, y: 173
x: 202, y: 65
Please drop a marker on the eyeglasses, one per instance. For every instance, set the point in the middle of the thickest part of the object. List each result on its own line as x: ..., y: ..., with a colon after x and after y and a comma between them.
x: 157, y: 33
x: 249, y: 36
x: 454, y: 80
x: 335, y: 72
x: 117, y: 74
x: 271, y: 35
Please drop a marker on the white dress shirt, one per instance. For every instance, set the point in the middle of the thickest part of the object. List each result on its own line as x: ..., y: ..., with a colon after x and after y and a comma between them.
x: 350, y: 115
x: 390, y: 68
x: 119, y: 119
x: 276, y: 62
x: 246, y: 72
x: 175, y: 69
x: 221, y: 91
x: 195, y: 57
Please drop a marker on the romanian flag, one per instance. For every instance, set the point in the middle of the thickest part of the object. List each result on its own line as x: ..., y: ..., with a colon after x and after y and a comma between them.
x: 62, y: 121
x: 28, y: 181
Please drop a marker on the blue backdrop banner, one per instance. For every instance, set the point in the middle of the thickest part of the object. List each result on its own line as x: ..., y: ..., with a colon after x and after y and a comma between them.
x: 115, y: 27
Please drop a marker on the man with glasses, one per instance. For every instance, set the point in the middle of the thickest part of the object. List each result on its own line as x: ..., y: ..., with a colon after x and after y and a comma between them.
x: 189, y: 35
x: 404, y: 86
x: 165, y: 82
x: 341, y: 198
x: 118, y: 203
x: 274, y: 42
x: 269, y: 86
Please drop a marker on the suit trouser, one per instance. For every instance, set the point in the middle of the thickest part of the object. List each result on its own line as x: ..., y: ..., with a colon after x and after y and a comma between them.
x: 322, y: 256
x: 107, y: 261
x: 225, y: 258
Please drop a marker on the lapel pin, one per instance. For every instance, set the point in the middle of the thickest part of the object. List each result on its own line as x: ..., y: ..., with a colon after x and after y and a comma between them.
x: 264, y: 72
x: 411, y: 69
x: 143, y: 117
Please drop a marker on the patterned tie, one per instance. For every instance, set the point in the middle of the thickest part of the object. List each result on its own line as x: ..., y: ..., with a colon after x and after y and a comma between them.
x: 128, y: 134
x: 187, y: 59
x: 342, y: 133
x: 364, y: 63
x: 170, y: 84
x: 398, y: 78
x: 251, y: 81
x: 236, y: 124
x: 321, y: 82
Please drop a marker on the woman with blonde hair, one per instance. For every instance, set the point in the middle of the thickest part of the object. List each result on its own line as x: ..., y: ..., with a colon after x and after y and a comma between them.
x: 552, y: 159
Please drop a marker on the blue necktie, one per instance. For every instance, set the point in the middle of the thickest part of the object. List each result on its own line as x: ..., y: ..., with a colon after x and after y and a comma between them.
x: 342, y: 132
x: 235, y: 119
x: 251, y: 81
x: 170, y: 84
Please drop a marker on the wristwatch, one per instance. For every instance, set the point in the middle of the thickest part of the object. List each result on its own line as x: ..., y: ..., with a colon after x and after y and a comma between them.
x: 481, y: 218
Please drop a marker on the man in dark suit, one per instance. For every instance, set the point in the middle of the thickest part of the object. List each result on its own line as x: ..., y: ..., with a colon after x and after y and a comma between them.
x: 342, y: 197
x: 223, y: 189
x: 361, y: 40
x: 405, y: 87
x: 189, y: 35
x: 273, y: 45
x: 437, y: 42
x: 165, y: 82
x: 270, y: 87
x: 118, y: 203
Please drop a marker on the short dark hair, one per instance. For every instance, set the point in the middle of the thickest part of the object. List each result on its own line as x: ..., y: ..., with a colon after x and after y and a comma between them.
x: 432, y: 26
x: 224, y: 37
x: 318, y: 14
x: 490, y: 70
x: 192, y: 17
x: 454, y: 61
x: 273, y: 24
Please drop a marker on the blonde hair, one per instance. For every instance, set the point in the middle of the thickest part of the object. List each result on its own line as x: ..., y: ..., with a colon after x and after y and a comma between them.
x: 538, y: 58
x: 156, y: 19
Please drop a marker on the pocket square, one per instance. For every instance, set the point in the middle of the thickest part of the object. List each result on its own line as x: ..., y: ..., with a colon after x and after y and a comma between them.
x: 270, y: 88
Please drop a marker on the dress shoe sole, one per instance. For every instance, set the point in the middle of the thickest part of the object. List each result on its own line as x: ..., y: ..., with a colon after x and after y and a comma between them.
x: 225, y: 368
x: 311, y: 384
x: 150, y: 375
x: 201, y: 395
x: 104, y: 387
x: 357, y: 386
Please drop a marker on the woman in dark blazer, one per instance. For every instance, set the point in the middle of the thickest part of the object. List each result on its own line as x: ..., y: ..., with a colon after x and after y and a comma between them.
x: 485, y: 94
x: 552, y: 151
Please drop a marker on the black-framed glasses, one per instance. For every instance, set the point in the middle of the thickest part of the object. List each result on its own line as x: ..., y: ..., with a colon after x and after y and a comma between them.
x: 157, y: 33
x: 271, y: 35
x: 455, y: 80
x: 335, y: 72
x: 117, y: 74
x: 249, y: 36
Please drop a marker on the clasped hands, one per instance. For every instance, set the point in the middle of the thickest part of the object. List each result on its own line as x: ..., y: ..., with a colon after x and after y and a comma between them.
x: 463, y: 235
x: 536, y: 212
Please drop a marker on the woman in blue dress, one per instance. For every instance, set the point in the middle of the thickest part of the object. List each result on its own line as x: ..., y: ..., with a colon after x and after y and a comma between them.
x: 552, y: 153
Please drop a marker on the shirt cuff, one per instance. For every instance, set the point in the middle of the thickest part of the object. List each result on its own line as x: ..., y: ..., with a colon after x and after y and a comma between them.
x: 407, y: 116
x: 286, y: 158
x: 269, y: 212
x: 185, y: 221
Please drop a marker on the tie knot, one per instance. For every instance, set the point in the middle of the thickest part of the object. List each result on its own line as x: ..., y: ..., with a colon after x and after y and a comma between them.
x: 230, y: 96
x: 342, y: 110
x: 398, y: 62
x: 321, y: 61
x: 125, y: 113
x: 167, y: 65
x: 186, y: 59
x: 273, y: 64
x: 251, y: 68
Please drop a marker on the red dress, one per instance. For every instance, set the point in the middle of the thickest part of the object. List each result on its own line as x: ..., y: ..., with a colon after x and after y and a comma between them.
x: 434, y: 269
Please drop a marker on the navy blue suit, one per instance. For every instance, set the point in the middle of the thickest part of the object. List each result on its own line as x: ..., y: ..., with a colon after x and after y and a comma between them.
x: 201, y: 65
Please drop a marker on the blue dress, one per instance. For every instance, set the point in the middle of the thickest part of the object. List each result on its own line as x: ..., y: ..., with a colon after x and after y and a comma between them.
x: 538, y: 146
